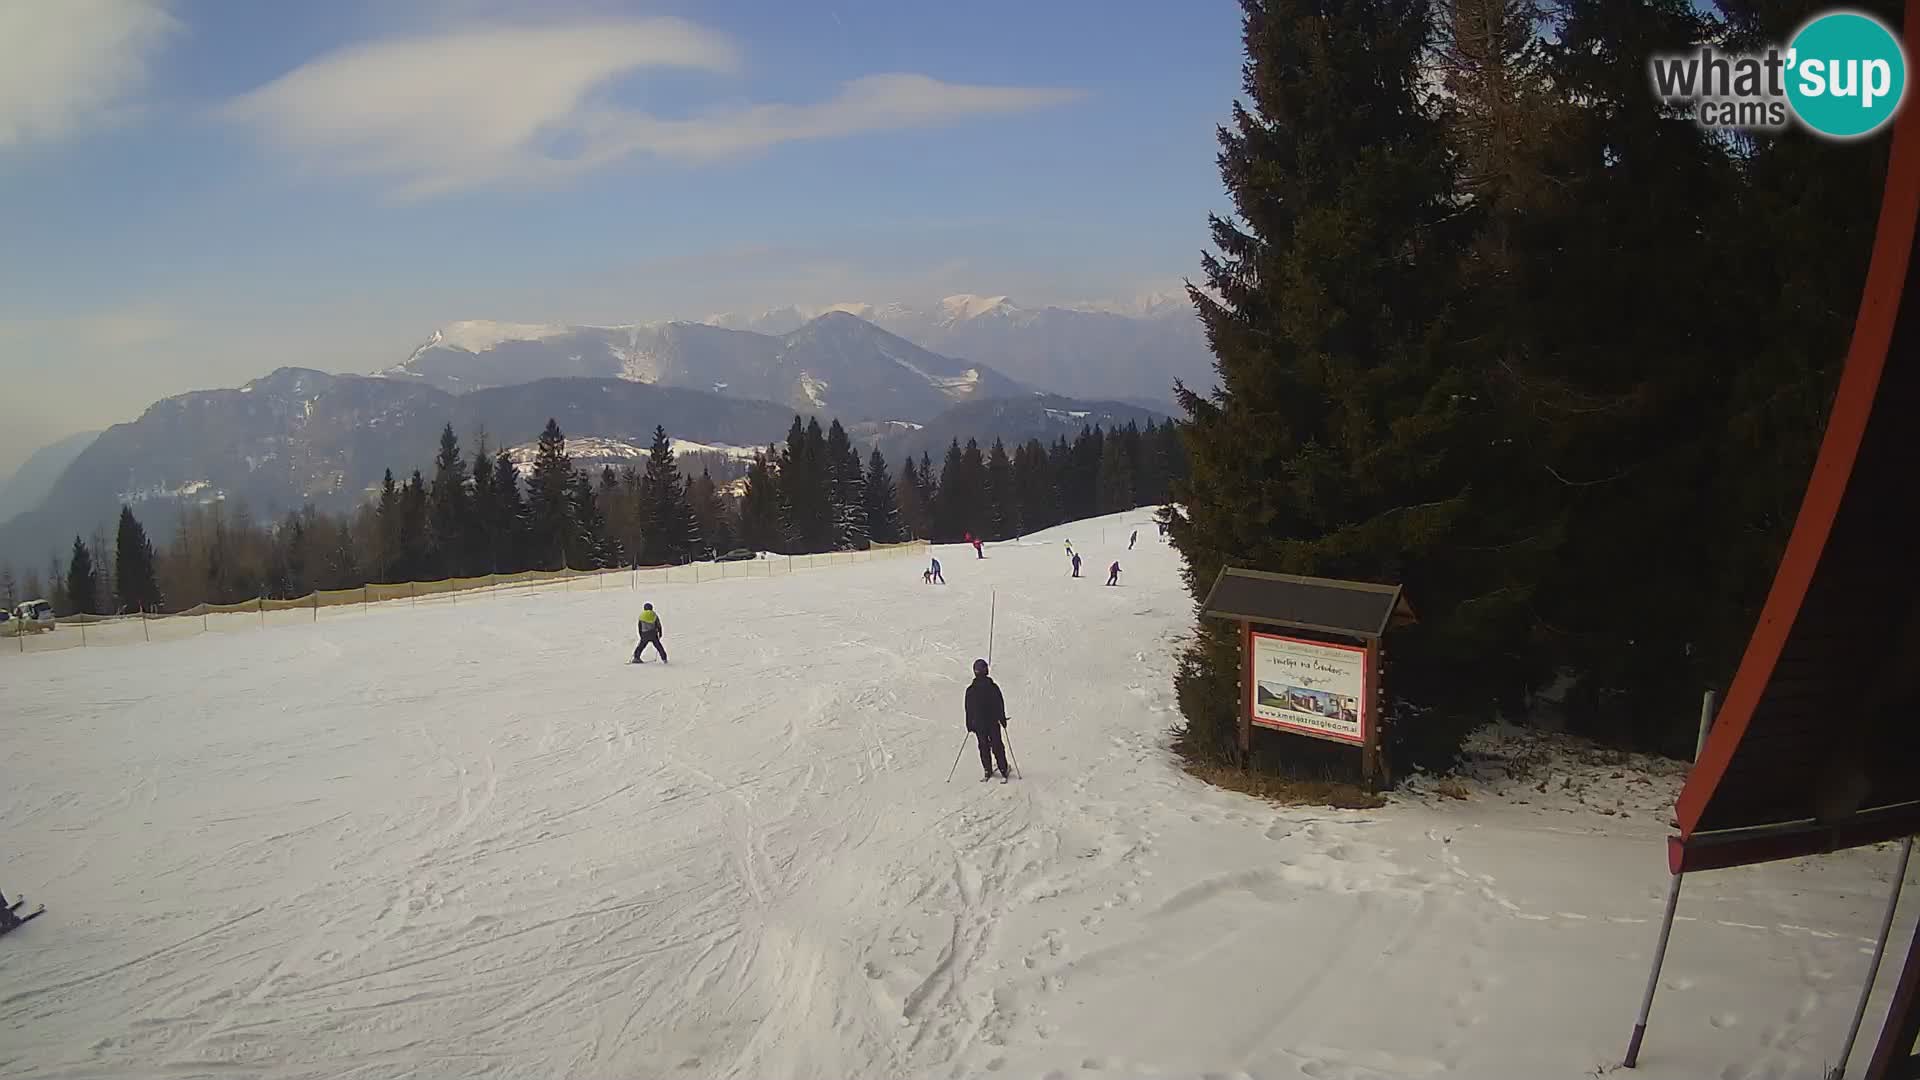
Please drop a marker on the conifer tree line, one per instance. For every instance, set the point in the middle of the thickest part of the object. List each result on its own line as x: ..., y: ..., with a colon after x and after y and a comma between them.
x: 475, y: 514
x: 1492, y: 322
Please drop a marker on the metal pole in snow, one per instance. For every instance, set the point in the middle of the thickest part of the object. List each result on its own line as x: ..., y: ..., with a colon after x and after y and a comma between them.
x: 1706, y: 723
x: 1873, y: 969
x: 1653, y: 978
x: 993, y: 605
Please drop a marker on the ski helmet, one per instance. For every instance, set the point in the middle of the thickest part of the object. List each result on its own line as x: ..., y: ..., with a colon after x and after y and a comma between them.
x: 979, y: 667
x: 646, y: 607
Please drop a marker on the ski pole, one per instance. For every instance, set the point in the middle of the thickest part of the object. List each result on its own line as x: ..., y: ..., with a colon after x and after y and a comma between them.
x: 956, y: 758
x: 993, y: 606
x: 1004, y: 737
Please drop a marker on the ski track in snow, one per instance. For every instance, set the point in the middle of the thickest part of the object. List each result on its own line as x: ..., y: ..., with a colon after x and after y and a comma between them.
x: 469, y: 840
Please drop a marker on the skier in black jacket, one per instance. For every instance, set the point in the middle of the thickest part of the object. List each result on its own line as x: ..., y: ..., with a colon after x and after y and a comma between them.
x: 986, y: 715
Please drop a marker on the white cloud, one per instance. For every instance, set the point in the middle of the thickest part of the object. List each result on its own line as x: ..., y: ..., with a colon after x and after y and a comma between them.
x: 66, y: 65
x: 482, y: 106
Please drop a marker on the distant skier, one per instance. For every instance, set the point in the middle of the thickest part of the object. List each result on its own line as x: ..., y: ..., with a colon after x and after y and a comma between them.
x: 926, y: 577
x: 650, y: 630
x: 934, y: 570
x: 979, y: 554
x: 1163, y: 528
x: 8, y: 920
x: 986, y: 716
x: 1076, y: 566
x: 1131, y: 539
x: 1113, y: 574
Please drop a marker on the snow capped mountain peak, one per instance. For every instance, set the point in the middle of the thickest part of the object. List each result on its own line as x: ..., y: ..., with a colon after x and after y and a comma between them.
x: 969, y: 306
x: 479, y: 335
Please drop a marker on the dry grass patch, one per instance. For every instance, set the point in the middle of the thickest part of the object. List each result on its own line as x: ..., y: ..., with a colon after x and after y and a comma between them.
x: 1450, y: 788
x: 1286, y: 790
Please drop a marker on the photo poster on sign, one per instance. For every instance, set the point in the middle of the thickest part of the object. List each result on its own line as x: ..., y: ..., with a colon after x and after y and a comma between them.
x: 1310, y: 687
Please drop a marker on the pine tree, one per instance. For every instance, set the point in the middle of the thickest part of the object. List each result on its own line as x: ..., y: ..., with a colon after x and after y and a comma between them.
x: 1342, y: 437
x: 447, y: 518
x: 806, y: 488
x: 588, y: 545
x: 388, y: 533
x: 413, y: 528
x: 482, y: 542
x: 1033, y: 485
x: 760, y: 509
x: 914, y: 514
x: 83, y: 596
x: 846, y: 485
x: 550, y: 500
x: 1003, y: 500
x: 507, y: 521
x: 950, y: 507
x: 9, y: 589
x: 139, y: 589
x: 672, y: 534
x: 1114, y: 488
x: 884, y: 523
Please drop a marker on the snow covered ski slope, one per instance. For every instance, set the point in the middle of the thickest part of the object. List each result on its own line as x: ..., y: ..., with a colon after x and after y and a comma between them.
x: 473, y: 841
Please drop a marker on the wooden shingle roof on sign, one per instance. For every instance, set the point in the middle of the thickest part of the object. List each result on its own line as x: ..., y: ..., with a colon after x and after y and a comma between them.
x: 1351, y: 608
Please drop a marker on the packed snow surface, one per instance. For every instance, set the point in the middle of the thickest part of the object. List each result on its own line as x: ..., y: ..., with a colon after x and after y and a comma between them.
x: 468, y: 839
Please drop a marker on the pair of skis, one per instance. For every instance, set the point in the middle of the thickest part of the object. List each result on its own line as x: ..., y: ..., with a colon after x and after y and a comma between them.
x: 18, y: 919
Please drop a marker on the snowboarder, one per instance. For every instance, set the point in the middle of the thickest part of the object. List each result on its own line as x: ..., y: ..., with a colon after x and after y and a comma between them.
x: 1131, y: 539
x: 650, y: 630
x: 986, y: 716
x: 1076, y: 565
x: 934, y: 570
x: 1113, y: 574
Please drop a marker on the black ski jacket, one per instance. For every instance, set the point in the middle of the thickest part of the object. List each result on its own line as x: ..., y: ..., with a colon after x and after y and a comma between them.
x: 986, y: 709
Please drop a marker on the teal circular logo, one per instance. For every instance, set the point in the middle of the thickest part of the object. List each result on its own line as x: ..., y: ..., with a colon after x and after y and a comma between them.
x: 1847, y: 74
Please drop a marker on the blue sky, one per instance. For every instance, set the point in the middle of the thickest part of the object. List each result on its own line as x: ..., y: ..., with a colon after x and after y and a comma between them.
x: 199, y: 191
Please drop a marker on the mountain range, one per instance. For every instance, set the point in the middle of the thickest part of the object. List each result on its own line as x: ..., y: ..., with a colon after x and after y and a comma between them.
x: 1124, y: 352
x: 299, y: 435
x: 835, y: 364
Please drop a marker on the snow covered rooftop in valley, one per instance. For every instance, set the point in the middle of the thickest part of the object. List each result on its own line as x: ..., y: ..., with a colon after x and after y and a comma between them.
x: 469, y: 839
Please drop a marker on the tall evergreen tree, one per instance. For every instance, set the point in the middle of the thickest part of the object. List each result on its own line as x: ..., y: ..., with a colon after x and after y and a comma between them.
x: 588, y: 545
x: 1344, y: 433
x: 139, y: 589
x: 672, y: 534
x: 703, y: 496
x: 846, y: 483
x: 1003, y: 500
x: 483, y: 545
x: 447, y: 514
x: 83, y: 596
x: 950, y: 508
x: 507, y: 521
x: 884, y: 523
x: 387, y: 537
x: 761, y: 519
x: 806, y: 488
x: 550, y: 500
x: 9, y: 589
x: 413, y: 528
x: 1114, y: 487
x: 915, y: 515
x: 1033, y: 483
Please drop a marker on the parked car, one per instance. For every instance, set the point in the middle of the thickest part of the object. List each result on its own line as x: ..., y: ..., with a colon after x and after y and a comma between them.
x: 738, y: 555
x: 34, y: 615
